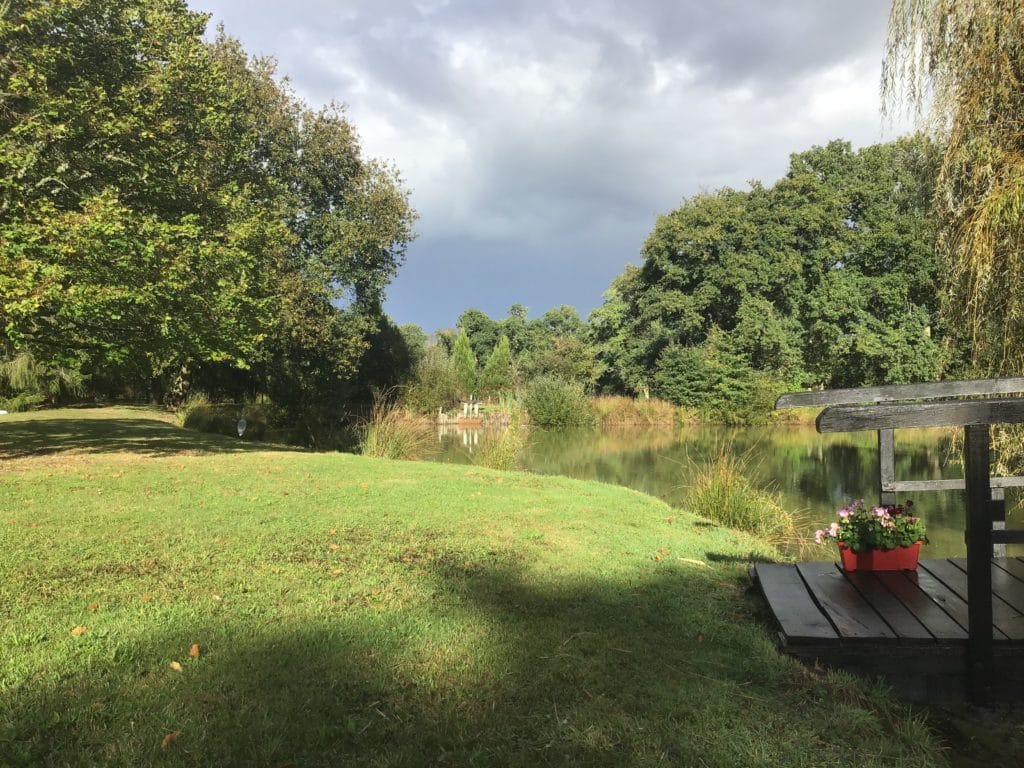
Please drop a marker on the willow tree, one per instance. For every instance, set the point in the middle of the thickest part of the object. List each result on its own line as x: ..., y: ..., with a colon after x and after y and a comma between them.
x: 960, y: 65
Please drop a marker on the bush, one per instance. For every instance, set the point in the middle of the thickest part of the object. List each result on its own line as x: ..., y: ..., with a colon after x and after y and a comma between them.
x: 390, y: 433
x: 723, y: 493
x: 435, y: 385
x: 26, y: 401
x: 199, y: 414
x: 554, y: 402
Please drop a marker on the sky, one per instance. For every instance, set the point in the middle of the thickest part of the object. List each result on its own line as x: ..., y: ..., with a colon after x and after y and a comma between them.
x: 541, y: 139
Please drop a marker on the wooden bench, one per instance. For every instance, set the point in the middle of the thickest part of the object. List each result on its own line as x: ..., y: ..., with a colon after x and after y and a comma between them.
x: 887, y: 408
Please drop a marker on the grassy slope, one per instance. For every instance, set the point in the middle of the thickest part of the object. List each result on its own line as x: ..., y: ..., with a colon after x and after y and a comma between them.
x: 352, y: 611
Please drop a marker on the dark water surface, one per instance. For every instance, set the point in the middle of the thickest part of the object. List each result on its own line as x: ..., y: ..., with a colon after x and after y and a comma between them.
x: 814, y: 474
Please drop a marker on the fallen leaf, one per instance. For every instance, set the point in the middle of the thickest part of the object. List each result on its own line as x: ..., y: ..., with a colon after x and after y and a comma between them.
x: 337, y: 571
x: 333, y: 532
x: 176, y: 666
x: 218, y: 598
x: 96, y: 705
x: 333, y: 547
x: 700, y: 638
x: 194, y: 651
x: 93, y: 607
x: 147, y: 598
x: 662, y: 551
x: 80, y: 630
x: 169, y: 739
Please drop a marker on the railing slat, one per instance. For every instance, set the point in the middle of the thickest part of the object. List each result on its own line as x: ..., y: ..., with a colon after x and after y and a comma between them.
x: 944, y: 413
x: 890, y: 392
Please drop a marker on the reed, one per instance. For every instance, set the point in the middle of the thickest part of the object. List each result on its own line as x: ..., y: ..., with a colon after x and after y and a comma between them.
x: 723, y: 492
x: 615, y: 411
x: 392, y: 433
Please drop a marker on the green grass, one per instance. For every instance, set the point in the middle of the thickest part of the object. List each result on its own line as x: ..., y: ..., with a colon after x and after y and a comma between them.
x: 362, y: 612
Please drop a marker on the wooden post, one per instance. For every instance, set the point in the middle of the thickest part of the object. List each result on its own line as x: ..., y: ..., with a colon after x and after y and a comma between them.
x: 998, y: 518
x: 886, y: 467
x: 979, y: 557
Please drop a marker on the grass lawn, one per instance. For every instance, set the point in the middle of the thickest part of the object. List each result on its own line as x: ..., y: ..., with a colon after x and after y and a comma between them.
x: 172, y: 598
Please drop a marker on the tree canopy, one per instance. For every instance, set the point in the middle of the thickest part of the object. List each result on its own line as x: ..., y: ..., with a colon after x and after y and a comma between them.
x: 169, y: 209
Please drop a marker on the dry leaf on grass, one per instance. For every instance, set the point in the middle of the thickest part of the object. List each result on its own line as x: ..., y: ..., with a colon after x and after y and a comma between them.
x: 169, y: 739
x: 176, y: 666
x: 194, y: 651
x: 147, y: 598
x: 79, y: 630
x: 93, y: 607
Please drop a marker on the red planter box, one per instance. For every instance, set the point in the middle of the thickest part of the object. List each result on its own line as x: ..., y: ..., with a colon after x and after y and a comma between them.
x: 899, y: 559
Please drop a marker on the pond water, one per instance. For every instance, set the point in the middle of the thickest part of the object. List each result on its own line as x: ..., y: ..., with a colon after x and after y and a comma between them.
x: 814, y: 474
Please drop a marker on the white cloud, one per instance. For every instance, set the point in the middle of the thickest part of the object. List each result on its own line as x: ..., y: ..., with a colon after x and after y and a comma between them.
x: 552, y: 133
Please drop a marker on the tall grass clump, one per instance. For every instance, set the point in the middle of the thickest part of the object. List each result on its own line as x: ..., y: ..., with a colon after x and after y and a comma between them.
x: 503, y: 447
x: 391, y: 433
x: 615, y: 410
x: 723, y: 492
x: 554, y: 402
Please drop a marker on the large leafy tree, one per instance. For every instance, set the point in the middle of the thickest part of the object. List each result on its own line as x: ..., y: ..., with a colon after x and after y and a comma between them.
x: 963, y: 60
x: 827, y: 277
x: 167, y: 206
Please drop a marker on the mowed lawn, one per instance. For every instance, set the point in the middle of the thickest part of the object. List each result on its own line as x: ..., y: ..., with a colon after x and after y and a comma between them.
x: 171, y: 598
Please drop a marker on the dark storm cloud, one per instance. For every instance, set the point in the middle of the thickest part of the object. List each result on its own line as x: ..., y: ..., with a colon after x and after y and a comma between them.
x: 552, y: 133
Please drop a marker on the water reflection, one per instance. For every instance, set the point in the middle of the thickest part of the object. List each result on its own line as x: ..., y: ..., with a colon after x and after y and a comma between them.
x: 814, y: 473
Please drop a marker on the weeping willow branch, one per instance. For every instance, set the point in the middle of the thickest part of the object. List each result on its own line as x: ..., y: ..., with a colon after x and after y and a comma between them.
x: 959, y: 66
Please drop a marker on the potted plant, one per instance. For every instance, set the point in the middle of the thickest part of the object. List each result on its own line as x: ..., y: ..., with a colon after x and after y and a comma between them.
x: 876, y: 539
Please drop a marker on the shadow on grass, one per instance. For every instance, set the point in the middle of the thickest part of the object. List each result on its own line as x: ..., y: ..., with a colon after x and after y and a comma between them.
x: 148, y: 436
x: 513, y: 674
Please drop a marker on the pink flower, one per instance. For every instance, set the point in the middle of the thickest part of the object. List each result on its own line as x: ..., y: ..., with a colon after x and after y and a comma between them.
x: 844, y: 512
x: 819, y: 536
x: 879, y: 511
x: 833, y: 529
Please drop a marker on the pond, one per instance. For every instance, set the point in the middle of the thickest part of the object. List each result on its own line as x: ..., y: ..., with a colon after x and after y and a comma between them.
x: 814, y: 474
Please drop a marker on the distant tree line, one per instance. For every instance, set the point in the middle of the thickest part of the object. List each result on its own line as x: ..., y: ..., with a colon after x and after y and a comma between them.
x: 828, y: 278
x: 173, y: 218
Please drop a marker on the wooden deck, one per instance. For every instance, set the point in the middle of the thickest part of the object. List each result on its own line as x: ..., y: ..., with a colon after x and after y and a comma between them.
x: 907, y: 627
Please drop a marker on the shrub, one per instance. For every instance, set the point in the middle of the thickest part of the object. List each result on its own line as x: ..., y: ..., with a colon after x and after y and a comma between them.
x: 723, y: 493
x: 554, y: 402
x: 199, y: 414
x: 26, y: 401
x: 435, y: 385
x: 391, y: 433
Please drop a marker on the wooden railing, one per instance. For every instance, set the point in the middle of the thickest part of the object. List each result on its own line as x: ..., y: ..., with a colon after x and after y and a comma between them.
x: 846, y: 412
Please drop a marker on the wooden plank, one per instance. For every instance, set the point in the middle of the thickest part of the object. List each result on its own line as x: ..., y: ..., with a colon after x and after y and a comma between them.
x: 1015, y: 536
x: 886, y: 466
x: 900, y: 619
x: 955, y: 579
x: 1012, y: 565
x: 852, y: 616
x: 981, y: 608
x: 891, y: 392
x: 954, y: 605
x: 925, y: 608
x: 799, y: 618
x: 953, y: 484
x: 946, y: 413
x: 1005, y: 586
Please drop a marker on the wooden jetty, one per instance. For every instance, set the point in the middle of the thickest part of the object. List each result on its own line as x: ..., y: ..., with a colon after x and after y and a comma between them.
x: 891, y: 624
x: 910, y: 628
